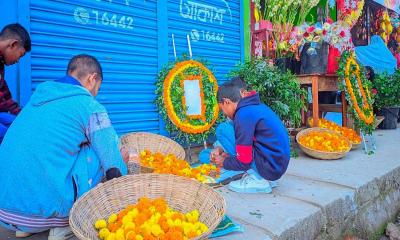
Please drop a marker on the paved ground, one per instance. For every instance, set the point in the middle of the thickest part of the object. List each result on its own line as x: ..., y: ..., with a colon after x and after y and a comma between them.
x: 320, y: 199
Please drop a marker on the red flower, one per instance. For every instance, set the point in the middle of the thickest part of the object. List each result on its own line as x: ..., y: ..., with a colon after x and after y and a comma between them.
x: 374, y: 91
x: 324, y: 32
x: 329, y: 20
x: 310, y: 29
x: 306, y: 34
x: 342, y: 34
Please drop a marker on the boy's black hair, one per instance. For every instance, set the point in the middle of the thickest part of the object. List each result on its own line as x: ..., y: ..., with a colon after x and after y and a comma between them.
x: 239, y: 82
x: 230, y: 91
x: 18, y: 32
x: 84, y: 64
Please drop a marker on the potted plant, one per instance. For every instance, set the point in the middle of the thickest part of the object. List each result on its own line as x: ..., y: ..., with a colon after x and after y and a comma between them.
x: 280, y: 91
x: 387, y: 98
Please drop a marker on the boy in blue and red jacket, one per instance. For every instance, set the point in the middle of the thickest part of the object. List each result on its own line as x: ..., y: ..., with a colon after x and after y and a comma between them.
x: 262, y: 142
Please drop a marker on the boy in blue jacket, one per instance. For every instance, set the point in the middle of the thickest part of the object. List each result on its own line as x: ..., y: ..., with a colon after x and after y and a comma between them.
x: 262, y: 142
x: 60, y: 146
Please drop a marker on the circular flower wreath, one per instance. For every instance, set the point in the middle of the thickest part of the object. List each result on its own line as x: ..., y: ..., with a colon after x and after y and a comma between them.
x: 171, y: 100
x: 357, y: 89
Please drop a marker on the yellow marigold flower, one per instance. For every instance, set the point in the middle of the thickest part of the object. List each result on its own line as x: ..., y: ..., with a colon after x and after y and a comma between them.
x: 156, y: 230
x: 126, y: 219
x: 101, y: 223
x: 103, y: 234
x: 133, y: 213
x: 129, y: 226
x: 111, y: 236
x: 112, y: 218
x: 139, y: 237
x: 120, y: 234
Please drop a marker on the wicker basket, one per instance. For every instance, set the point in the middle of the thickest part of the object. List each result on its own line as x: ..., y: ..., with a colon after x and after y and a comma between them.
x: 320, y: 154
x: 355, y: 146
x: 155, y: 143
x: 182, y: 194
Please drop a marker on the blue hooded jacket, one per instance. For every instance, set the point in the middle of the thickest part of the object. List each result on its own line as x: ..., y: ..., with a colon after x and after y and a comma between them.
x: 260, y: 137
x: 62, y: 139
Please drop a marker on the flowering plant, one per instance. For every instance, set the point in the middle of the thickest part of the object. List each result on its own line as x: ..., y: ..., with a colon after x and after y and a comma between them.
x: 383, y: 25
x: 350, y: 10
x: 337, y: 34
x: 305, y: 9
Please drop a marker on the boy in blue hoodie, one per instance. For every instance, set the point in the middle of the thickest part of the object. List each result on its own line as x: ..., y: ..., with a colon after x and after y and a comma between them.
x: 60, y: 146
x: 262, y: 142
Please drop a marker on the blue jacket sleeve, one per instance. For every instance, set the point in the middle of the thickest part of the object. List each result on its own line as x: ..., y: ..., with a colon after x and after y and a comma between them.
x: 104, y: 141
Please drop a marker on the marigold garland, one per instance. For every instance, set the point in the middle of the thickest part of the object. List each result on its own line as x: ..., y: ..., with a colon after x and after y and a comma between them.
x: 351, y: 75
x: 171, y: 101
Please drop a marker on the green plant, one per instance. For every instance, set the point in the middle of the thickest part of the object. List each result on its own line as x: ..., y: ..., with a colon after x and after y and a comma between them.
x: 387, y: 89
x: 280, y: 91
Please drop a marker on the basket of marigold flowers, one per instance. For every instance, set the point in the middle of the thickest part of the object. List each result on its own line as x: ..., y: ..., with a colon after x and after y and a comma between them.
x: 349, y: 133
x: 147, y: 206
x: 323, y: 144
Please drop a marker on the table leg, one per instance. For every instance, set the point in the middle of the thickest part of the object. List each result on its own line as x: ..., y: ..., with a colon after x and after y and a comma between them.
x: 303, y: 114
x: 344, y: 110
x: 315, y: 101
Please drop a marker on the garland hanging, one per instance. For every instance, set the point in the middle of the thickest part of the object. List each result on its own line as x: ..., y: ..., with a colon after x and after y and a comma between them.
x: 357, y: 89
x: 171, y: 100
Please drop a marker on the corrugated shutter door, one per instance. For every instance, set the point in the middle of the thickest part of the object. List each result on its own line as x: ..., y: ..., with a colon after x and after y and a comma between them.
x: 121, y: 35
x: 214, y: 30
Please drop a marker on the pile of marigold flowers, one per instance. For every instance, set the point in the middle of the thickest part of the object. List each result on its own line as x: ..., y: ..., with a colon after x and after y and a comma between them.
x: 170, y: 164
x: 150, y: 220
x: 324, y: 141
x: 349, y: 133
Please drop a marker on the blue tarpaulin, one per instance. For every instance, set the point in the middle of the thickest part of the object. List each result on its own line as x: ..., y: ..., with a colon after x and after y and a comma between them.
x: 377, y: 56
x: 391, y: 4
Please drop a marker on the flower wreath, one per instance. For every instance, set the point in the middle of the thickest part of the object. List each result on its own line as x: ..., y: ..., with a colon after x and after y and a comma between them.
x: 171, y: 100
x: 357, y: 89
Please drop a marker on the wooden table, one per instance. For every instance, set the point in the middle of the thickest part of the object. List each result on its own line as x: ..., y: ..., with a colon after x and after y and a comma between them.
x: 319, y: 83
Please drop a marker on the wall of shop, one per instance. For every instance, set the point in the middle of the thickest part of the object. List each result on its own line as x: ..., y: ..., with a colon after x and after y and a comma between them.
x: 131, y: 38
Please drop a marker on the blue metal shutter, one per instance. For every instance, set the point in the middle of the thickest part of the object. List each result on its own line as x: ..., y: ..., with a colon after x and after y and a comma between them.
x: 214, y: 28
x: 122, y: 34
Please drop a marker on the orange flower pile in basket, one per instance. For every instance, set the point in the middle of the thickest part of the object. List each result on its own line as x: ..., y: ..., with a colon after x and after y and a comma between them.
x: 324, y: 141
x: 349, y: 133
x: 172, y: 165
x: 150, y: 220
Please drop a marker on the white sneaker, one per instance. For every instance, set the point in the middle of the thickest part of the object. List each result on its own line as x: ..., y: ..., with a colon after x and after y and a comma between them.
x: 60, y: 233
x: 20, y: 234
x: 250, y: 184
x: 273, y: 184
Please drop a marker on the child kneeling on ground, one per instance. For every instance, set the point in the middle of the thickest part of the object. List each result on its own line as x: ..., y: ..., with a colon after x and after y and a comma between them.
x: 262, y: 142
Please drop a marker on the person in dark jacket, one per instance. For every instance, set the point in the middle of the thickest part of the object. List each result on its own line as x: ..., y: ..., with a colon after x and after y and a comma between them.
x: 262, y: 141
x: 14, y: 43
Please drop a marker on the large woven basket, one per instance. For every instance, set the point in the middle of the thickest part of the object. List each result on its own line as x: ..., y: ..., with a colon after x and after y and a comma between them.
x: 140, y: 141
x: 320, y: 154
x: 182, y: 194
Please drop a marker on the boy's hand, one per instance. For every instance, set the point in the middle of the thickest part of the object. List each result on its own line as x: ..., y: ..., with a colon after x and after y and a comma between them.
x: 220, y: 159
x: 124, y: 154
x: 216, y: 152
